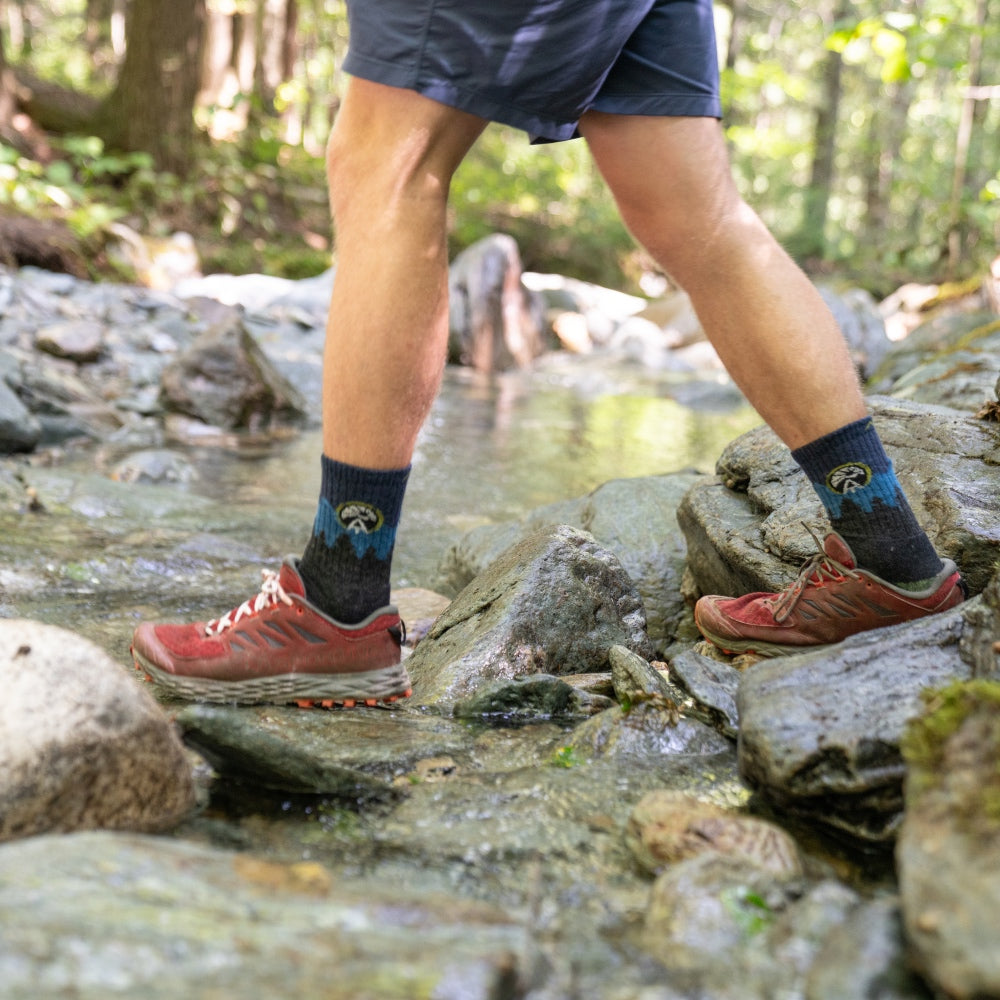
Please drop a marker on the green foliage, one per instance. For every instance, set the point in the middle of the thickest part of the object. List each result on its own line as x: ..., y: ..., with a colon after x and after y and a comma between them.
x: 749, y: 909
x: 550, y: 198
x: 256, y: 200
x: 566, y: 757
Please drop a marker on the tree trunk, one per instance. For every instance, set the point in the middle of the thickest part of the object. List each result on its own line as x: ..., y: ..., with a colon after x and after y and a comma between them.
x: 963, y: 142
x: 812, y: 240
x: 151, y: 108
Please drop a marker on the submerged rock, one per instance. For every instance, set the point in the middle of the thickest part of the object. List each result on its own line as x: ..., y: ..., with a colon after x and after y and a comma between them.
x: 82, y: 745
x: 116, y: 915
x: 354, y: 755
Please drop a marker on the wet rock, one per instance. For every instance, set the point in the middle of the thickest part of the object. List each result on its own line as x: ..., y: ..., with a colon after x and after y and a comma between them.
x: 81, y: 341
x: 745, y: 529
x: 632, y: 675
x: 82, y: 745
x: 712, y: 685
x: 865, y: 957
x: 649, y: 728
x: 948, y: 855
x: 667, y: 827
x: 136, y: 916
x: 495, y: 324
x: 554, y: 603
x: 20, y: 430
x: 820, y: 732
x: 225, y: 380
x: 635, y: 518
x: 528, y: 699
x: 419, y: 608
x: 353, y: 755
x: 159, y: 465
x: 768, y: 928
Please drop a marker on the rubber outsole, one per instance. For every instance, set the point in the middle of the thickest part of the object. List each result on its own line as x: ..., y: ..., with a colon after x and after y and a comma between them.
x: 390, y: 684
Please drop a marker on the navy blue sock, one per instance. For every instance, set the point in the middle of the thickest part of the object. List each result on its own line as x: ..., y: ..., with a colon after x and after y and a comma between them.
x: 854, y: 478
x: 347, y: 562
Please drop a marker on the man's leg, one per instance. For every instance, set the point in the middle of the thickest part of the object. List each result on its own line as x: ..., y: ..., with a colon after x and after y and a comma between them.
x: 672, y: 181
x: 390, y: 160
x: 321, y: 630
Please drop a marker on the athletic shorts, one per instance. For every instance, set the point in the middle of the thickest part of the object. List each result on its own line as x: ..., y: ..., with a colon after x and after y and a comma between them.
x: 540, y: 64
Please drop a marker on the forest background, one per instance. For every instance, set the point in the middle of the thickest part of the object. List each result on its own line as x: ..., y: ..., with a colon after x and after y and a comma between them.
x: 866, y: 137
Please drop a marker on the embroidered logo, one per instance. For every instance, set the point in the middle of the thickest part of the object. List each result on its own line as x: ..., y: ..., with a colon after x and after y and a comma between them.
x: 359, y: 518
x: 848, y: 478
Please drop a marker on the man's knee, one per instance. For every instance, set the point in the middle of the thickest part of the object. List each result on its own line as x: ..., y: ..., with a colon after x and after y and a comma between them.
x: 395, y: 143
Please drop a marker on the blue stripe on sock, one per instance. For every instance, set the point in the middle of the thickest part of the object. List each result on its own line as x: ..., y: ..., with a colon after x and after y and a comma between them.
x: 328, y: 525
x: 884, y: 486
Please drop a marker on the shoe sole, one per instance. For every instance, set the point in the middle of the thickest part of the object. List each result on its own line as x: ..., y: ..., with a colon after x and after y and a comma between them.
x: 304, y: 690
x: 736, y: 647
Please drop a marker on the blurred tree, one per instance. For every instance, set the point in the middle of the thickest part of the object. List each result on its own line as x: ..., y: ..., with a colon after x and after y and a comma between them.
x: 151, y: 108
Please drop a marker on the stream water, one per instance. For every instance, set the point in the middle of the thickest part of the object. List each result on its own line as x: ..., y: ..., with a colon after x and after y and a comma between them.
x: 494, y: 448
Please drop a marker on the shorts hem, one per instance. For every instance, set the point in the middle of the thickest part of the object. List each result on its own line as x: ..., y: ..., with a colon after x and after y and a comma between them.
x: 448, y: 94
x: 538, y: 128
x: 659, y: 105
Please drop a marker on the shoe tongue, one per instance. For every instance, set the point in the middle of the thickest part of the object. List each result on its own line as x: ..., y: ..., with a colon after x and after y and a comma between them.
x: 290, y: 580
x: 836, y: 548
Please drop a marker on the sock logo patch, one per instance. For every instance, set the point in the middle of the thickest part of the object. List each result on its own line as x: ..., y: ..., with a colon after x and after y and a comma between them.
x: 849, y: 477
x: 359, y: 518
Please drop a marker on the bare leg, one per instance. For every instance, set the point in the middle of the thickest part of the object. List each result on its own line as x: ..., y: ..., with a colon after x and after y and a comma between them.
x: 773, y: 332
x: 390, y: 160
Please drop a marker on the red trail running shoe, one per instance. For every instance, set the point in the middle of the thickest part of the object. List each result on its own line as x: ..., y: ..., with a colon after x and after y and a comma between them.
x: 830, y: 600
x: 277, y: 648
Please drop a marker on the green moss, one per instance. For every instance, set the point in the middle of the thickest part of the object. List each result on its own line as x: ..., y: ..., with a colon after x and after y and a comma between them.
x: 924, y: 743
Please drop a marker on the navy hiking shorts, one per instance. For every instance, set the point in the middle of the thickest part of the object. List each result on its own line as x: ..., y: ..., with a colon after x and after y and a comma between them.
x: 540, y: 64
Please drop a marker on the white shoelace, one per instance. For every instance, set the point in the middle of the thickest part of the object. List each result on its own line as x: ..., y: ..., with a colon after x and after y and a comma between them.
x: 271, y: 592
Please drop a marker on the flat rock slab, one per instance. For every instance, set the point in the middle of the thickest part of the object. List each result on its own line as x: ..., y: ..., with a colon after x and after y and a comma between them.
x: 820, y: 732
x: 353, y: 754
x: 127, y: 915
x: 746, y: 529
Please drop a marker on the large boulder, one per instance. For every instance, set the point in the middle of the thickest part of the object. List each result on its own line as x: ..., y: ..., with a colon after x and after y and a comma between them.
x: 554, y: 603
x: 746, y: 530
x: 82, y: 744
x: 495, y: 323
x: 634, y: 518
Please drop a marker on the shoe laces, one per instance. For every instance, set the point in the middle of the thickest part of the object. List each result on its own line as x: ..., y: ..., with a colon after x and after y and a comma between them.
x: 817, y: 570
x: 271, y: 592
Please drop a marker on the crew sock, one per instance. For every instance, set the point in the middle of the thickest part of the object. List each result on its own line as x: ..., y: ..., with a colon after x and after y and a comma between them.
x: 855, y: 480
x: 347, y: 562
